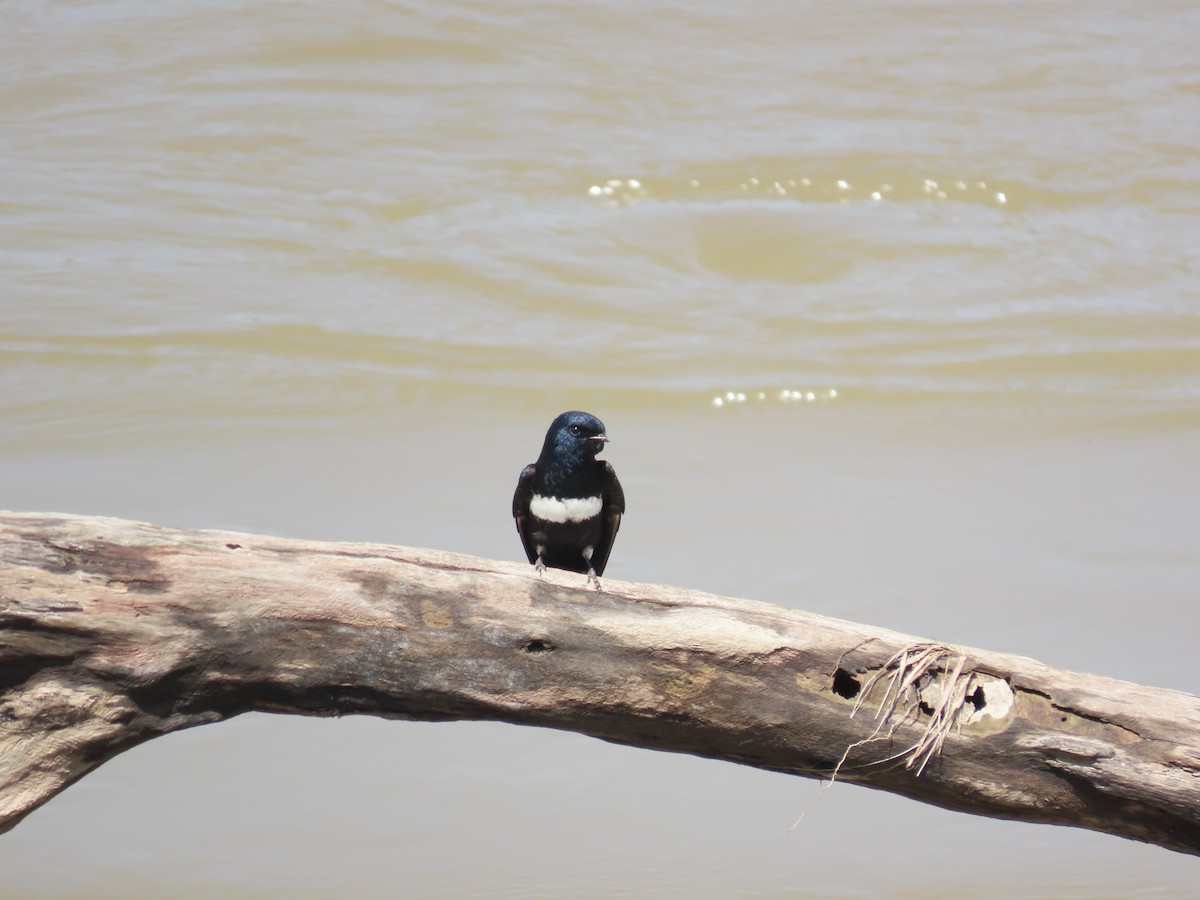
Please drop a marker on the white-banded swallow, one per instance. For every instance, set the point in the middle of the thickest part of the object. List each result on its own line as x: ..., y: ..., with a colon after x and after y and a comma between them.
x: 568, y: 504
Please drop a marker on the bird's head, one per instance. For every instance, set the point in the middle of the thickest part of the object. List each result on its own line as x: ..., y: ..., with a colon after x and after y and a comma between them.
x: 575, y: 435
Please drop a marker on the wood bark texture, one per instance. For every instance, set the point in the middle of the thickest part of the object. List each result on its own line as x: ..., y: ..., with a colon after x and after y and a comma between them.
x: 113, y: 632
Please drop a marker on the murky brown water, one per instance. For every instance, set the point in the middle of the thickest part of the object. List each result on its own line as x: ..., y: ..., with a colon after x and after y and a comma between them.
x: 891, y: 311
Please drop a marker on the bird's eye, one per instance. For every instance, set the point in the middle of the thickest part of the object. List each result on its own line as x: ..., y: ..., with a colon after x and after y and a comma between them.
x: 576, y: 429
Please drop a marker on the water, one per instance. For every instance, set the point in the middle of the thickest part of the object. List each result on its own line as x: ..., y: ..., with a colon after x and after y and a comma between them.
x: 890, y: 309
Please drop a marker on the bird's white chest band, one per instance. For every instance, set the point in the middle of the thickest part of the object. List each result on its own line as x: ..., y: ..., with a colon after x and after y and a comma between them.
x: 569, y: 509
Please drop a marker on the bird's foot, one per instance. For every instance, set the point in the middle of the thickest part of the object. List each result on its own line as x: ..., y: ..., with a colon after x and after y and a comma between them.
x: 539, y: 566
x: 593, y: 578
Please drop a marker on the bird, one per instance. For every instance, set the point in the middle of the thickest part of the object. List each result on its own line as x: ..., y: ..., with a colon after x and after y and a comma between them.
x: 568, y: 505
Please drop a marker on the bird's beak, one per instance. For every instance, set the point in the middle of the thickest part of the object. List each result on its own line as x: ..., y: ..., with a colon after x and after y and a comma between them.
x: 602, y: 438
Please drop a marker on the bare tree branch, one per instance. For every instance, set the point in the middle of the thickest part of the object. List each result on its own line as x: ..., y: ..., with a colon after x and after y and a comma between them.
x: 114, y: 632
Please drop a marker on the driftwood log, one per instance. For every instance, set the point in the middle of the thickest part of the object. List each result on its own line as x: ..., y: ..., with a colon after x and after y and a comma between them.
x: 114, y: 632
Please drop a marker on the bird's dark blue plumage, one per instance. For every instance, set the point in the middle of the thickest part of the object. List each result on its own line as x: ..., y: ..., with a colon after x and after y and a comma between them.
x: 568, y: 504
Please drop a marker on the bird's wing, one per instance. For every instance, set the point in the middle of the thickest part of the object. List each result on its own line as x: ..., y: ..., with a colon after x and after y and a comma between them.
x: 611, y: 511
x: 521, y: 498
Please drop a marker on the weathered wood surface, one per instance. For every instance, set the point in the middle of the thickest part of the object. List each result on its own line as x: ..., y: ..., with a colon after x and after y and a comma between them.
x: 113, y: 632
